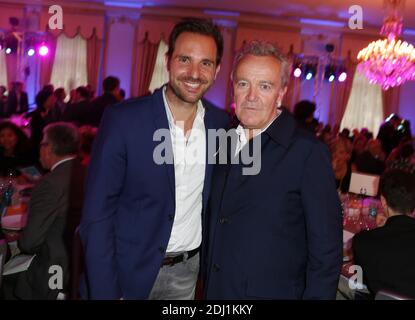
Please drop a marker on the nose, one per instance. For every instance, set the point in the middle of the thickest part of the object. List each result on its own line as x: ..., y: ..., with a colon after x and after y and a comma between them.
x: 252, y: 94
x: 194, y: 71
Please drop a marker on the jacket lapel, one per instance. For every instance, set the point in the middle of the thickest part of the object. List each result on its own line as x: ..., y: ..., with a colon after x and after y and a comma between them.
x: 161, y: 122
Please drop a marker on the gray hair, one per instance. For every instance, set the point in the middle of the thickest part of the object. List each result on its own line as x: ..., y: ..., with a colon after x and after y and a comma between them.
x: 63, y: 137
x: 264, y: 49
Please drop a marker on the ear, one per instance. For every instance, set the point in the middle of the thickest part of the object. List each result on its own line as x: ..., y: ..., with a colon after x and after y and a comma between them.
x: 281, y: 95
x: 383, y: 201
x: 384, y: 204
x: 216, y: 72
x: 167, y: 60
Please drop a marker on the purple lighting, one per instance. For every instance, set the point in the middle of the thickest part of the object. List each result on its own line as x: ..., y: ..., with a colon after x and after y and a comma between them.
x: 43, y: 50
x: 30, y: 52
x: 342, y: 77
x: 389, y: 61
x: 297, y: 72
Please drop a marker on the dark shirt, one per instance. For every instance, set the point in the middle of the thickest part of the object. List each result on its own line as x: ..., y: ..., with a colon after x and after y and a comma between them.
x: 98, y: 107
x: 367, y: 163
x: 388, y: 136
x: 13, y: 164
x: 77, y: 113
x: 17, y: 103
x: 386, y: 255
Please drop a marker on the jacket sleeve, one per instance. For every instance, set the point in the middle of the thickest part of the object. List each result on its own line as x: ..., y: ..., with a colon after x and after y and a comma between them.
x: 43, y: 211
x: 323, y: 217
x: 105, y: 179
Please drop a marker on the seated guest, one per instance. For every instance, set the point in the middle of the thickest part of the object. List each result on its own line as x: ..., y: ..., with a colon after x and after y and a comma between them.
x: 15, y: 149
x: 386, y: 254
x: 54, y: 213
x: 341, y: 151
x: 405, y: 157
x: 371, y: 161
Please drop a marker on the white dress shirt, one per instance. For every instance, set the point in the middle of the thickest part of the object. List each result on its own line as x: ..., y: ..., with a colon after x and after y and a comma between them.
x: 189, y: 171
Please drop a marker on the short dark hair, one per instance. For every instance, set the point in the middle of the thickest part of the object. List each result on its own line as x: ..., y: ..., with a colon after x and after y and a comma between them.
x: 48, y: 88
x: 42, y: 97
x: 63, y: 137
x: 199, y: 26
x: 60, y: 93
x: 304, y: 109
x: 83, y: 92
x: 110, y: 83
x: 397, y: 186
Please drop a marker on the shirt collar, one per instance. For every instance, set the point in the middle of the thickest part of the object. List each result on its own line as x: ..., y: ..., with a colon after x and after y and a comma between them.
x: 241, y: 132
x: 60, y: 162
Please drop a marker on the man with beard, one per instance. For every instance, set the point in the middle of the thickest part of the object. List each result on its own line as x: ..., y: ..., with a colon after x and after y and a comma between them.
x: 142, y: 221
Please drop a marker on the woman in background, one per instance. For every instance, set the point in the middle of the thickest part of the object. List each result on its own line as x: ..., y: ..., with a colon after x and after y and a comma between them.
x: 15, y: 149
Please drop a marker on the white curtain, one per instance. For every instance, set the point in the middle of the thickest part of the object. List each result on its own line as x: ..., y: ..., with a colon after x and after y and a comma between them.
x: 160, y: 74
x: 70, y: 66
x: 365, y: 107
x: 3, y: 69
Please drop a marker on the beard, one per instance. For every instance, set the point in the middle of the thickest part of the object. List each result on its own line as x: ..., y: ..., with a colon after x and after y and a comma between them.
x: 184, y: 96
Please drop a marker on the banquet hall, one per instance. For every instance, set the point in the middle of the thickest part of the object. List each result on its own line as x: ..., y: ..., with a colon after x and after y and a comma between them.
x: 65, y: 64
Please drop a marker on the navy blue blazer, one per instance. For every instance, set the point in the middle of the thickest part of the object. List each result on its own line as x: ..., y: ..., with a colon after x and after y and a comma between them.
x: 130, y: 200
x: 277, y: 234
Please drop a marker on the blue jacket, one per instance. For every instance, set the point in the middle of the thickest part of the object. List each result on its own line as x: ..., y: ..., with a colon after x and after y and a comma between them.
x: 130, y: 200
x: 278, y: 234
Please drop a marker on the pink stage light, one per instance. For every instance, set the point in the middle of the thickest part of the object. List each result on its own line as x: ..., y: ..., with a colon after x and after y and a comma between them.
x: 342, y: 77
x: 43, y: 50
x: 297, y: 72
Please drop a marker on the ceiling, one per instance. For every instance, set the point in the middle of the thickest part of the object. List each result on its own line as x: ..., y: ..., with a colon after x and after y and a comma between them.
x: 338, y: 11
x: 373, y: 10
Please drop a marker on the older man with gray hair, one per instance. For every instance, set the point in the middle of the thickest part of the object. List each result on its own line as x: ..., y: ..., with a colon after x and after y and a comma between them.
x: 54, y: 213
x: 276, y: 234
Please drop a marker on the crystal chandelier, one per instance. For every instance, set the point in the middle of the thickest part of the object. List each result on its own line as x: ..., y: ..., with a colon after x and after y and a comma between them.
x: 388, y: 62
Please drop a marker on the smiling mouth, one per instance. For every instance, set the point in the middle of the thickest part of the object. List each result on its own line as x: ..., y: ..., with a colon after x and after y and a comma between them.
x: 192, y: 85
